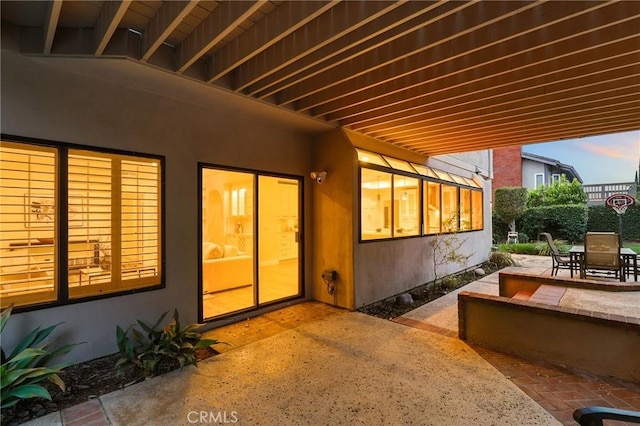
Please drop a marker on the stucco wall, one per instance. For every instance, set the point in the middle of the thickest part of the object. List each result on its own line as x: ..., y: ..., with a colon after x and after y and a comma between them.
x: 150, y: 112
x: 577, y: 338
x: 333, y: 227
x: 386, y: 268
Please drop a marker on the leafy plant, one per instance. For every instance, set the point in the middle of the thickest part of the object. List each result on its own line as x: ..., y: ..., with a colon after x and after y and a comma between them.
x: 155, y: 348
x: 27, y: 365
x: 446, y: 249
x: 559, y: 192
x: 510, y: 203
x: 499, y: 259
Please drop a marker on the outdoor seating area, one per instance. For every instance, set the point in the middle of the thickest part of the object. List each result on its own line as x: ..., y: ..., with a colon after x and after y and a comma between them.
x: 602, y: 255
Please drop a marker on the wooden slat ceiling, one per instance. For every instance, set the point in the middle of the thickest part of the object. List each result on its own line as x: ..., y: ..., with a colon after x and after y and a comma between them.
x: 431, y: 76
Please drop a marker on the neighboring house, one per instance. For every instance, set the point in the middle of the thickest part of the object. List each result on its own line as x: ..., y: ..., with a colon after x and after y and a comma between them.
x: 513, y: 167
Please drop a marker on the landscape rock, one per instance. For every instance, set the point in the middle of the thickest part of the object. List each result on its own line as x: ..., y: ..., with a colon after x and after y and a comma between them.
x: 479, y: 271
x: 404, y: 299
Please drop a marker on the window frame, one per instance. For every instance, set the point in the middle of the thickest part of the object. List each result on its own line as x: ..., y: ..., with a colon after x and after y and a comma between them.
x: 61, y: 243
x: 535, y: 180
x: 442, y: 179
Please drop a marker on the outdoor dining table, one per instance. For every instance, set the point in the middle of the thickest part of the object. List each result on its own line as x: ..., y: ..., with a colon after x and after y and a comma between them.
x: 628, y: 256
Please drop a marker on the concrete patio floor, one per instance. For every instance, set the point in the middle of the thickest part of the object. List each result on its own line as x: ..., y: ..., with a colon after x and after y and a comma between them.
x: 315, y: 364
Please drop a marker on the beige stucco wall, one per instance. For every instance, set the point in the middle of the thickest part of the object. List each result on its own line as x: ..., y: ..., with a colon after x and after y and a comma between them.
x: 333, y: 226
x: 132, y: 107
x: 374, y: 270
x: 582, y: 340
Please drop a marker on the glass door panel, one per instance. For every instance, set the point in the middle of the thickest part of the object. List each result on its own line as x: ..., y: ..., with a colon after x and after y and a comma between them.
x: 278, y: 242
x: 227, y: 242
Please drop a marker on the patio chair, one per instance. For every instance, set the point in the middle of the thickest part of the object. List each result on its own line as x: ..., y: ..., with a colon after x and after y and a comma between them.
x: 631, y: 270
x: 559, y: 260
x: 602, y: 255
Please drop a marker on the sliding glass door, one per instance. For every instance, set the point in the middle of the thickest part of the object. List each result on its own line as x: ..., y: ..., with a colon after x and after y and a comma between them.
x: 250, y: 250
x: 278, y: 238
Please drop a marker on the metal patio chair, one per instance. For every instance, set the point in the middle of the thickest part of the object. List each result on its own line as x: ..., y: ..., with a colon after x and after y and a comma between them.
x: 602, y: 255
x: 559, y: 260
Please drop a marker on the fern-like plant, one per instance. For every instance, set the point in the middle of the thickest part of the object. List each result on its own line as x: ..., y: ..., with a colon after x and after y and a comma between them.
x: 26, y: 366
x: 154, y: 347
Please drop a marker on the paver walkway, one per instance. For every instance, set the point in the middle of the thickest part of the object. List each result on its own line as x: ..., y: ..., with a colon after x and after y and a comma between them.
x: 559, y: 390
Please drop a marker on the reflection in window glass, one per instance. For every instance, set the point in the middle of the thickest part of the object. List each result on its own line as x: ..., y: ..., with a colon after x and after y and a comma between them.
x: 406, y: 206
x: 375, y: 204
x: 432, y: 207
x: 371, y: 158
x: 465, y: 209
x: 449, y: 208
x: 476, y: 212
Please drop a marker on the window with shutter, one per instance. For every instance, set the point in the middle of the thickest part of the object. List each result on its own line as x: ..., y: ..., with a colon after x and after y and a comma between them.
x: 110, y: 221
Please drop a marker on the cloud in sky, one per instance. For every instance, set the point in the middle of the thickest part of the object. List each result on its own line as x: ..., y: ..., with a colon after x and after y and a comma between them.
x: 598, y: 159
x: 607, y: 151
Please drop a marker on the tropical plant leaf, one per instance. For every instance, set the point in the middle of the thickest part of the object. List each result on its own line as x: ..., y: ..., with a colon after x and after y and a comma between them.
x: 12, y: 396
x: 4, y: 317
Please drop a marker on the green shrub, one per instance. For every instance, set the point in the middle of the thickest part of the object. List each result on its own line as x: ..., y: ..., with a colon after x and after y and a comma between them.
x: 155, y: 350
x: 451, y: 282
x: 510, y: 203
x: 568, y: 222
x: 26, y: 366
x: 519, y: 248
x: 558, y: 193
x: 605, y: 219
x: 499, y: 259
x: 522, y: 237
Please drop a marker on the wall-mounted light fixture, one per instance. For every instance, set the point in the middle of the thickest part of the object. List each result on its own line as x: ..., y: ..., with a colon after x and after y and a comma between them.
x: 319, y: 176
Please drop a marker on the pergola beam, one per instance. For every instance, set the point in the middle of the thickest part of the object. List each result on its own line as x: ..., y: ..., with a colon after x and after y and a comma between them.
x: 285, y: 19
x: 220, y: 23
x: 166, y: 20
x: 108, y: 21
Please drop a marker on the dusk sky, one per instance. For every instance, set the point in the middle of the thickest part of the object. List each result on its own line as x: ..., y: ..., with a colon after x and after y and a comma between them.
x: 597, y: 159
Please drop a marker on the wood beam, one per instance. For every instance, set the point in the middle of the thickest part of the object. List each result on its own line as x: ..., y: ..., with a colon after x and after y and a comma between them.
x: 447, y: 27
x: 221, y: 22
x: 397, y: 23
x: 108, y: 21
x: 579, y: 129
x: 485, y: 112
x: 339, y: 22
x: 50, y: 24
x: 169, y: 16
x: 471, y: 99
x: 463, y: 55
x: 470, y: 85
x: 611, y: 107
x: 284, y: 20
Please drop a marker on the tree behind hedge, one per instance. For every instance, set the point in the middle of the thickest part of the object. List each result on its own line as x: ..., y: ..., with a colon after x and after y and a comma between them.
x: 558, y: 193
x: 510, y: 203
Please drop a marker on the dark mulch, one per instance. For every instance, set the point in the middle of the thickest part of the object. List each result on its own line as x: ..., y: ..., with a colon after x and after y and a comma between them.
x: 391, y: 308
x: 84, y: 381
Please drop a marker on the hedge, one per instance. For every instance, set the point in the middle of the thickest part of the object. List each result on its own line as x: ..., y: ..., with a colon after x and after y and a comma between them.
x: 603, y: 218
x: 571, y: 222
